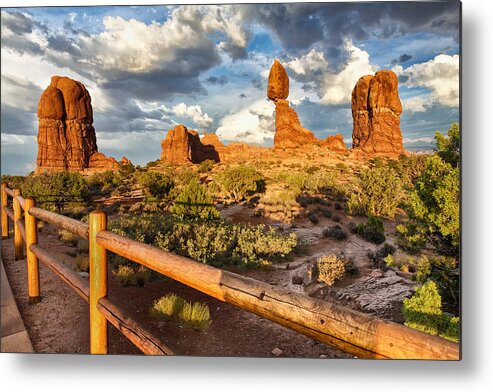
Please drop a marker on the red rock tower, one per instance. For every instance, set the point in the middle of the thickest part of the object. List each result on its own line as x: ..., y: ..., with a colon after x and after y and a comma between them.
x: 66, y: 137
x: 376, y: 109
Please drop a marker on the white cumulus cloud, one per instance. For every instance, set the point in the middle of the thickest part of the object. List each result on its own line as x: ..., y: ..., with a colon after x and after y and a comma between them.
x: 332, y: 88
x: 194, y: 112
x: 254, y: 124
x: 440, y: 75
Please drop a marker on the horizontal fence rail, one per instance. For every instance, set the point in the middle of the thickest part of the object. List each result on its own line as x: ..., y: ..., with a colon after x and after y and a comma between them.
x: 354, y: 332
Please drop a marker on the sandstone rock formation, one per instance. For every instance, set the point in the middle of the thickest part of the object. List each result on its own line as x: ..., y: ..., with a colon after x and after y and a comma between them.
x: 183, y: 145
x: 289, y: 132
x: 376, y: 109
x: 335, y: 143
x: 66, y: 137
x: 125, y: 161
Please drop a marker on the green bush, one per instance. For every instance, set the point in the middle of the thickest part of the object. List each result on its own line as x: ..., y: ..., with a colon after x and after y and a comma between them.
x: 53, y: 189
x: 442, y: 270
x: 372, y: 231
x: 156, y: 184
x: 448, y: 147
x: 336, y: 232
x: 206, y: 166
x: 239, y: 182
x: 132, y: 276
x: 423, y: 311
x: 320, y: 182
x: 378, y: 193
x: 212, y: 242
x: 194, y: 203
x: 103, y: 182
x: 433, y: 209
x: 221, y: 244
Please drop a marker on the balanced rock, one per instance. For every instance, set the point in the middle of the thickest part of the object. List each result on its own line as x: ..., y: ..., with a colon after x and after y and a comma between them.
x: 376, y: 109
x: 278, y: 85
x: 289, y: 132
x: 66, y: 137
x: 183, y: 145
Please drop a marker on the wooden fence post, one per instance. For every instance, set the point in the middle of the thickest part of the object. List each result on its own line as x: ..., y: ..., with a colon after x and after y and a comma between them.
x: 98, y: 281
x: 32, y: 259
x: 19, y: 254
x: 5, y: 218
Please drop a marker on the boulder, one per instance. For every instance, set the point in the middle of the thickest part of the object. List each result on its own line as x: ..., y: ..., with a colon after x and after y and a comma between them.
x: 278, y: 84
x: 376, y: 110
x: 66, y: 137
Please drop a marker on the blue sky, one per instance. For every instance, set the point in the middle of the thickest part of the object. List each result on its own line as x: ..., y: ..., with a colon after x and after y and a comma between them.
x: 148, y: 68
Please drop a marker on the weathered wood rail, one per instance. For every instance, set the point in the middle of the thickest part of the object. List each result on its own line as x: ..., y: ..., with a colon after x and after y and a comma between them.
x: 360, y: 334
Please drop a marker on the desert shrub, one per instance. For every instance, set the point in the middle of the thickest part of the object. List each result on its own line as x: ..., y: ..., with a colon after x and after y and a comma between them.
x: 292, y: 180
x: 448, y: 147
x: 103, y: 182
x: 313, y: 218
x: 320, y: 182
x: 167, y: 307
x: 239, y: 182
x: 194, y: 202
x: 172, y: 307
x: 336, y: 232
x: 185, y: 177
x: 433, y: 209
x: 342, y: 168
x: 221, y: 243
x: 132, y: 276
x: 372, y: 231
x: 326, y: 212
x: 377, y: 257
x: 423, y: 311
x: 52, y: 190
x: 281, y: 204
x: 442, y: 270
x: 331, y: 268
x: 68, y: 237
x: 195, y: 315
x: 212, y: 242
x: 206, y: 166
x: 152, y: 164
x: 378, y: 193
x: 156, y: 184
x: 311, y: 169
x: 336, y: 218
x: 338, y: 206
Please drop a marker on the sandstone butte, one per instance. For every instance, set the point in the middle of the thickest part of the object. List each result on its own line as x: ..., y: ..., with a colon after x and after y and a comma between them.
x: 289, y: 132
x: 376, y: 109
x: 66, y: 137
x: 183, y: 145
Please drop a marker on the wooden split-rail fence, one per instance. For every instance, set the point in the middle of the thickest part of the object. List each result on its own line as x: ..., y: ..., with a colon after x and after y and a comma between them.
x: 362, y: 335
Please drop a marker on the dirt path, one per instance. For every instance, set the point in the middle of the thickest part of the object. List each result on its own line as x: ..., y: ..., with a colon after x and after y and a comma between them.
x: 59, y: 323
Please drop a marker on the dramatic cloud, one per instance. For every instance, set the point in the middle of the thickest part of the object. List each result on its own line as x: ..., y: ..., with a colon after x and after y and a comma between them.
x: 254, y: 124
x: 299, y: 26
x: 440, y: 75
x: 333, y: 88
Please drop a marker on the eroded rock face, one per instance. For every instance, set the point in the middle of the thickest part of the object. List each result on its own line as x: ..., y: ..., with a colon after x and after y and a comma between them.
x: 183, y: 145
x: 376, y: 109
x: 289, y: 132
x: 66, y: 137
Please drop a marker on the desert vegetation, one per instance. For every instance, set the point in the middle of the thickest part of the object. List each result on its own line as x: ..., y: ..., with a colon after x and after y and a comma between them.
x: 384, y: 216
